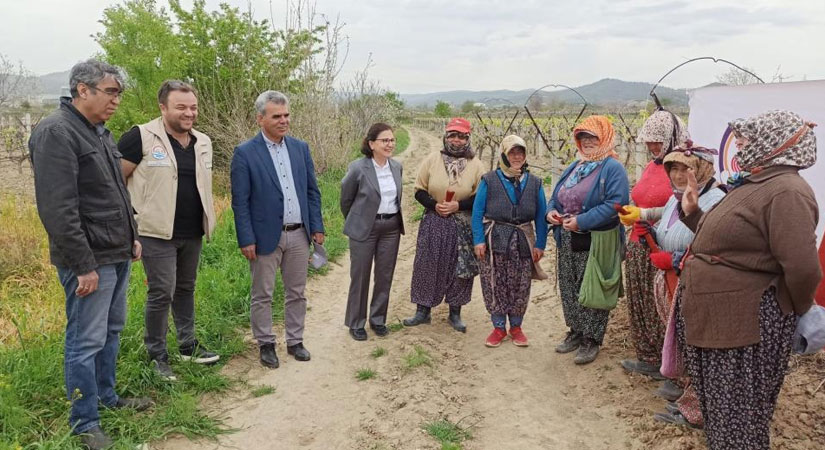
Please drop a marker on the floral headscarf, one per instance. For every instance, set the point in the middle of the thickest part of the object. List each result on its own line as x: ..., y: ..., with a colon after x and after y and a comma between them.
x: 700, y: 159
x: 659, y: 127
x: 508, y: 143
x: 775, y: 138
x: 600, y: 127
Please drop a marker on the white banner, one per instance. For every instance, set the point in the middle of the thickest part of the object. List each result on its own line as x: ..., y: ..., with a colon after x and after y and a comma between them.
x: 711, y: 108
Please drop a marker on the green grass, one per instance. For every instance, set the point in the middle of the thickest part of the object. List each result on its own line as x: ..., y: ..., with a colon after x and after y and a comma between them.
x: 365, y: 374
x: 402, y: 140
x: 449, y: 434
x: 260, y: 391
x: 33, y: 405
x: 395, y: 326
x: 378, y: 352
x: 419, y: 213
x: 417, y: 358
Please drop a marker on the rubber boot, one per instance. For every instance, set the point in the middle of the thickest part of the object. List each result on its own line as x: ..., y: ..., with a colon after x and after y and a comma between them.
x: 422, y: 315
x: 455, y: 319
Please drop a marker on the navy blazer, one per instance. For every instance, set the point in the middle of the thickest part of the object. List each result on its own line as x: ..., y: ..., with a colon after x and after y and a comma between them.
x: 598, y: 212
x: 257, y: 198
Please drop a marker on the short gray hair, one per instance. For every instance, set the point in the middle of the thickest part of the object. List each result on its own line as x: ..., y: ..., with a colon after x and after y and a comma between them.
x: 275, y: 97
x: 91, y: 72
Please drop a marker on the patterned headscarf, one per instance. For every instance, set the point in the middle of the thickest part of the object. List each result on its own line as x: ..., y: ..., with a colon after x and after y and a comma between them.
x: 700, y: 159
x: 601, y: 127
x: 508, y: 143
x: 775, y: 138
x: 659, y: 127
x: 455, y: 159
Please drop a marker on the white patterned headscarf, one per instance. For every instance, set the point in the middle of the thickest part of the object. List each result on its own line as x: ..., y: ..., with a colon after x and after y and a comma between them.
x: 659, y: 127
x: 775, y: 138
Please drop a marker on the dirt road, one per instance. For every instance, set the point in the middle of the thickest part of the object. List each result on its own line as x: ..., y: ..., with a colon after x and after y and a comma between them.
x: 512, y: 398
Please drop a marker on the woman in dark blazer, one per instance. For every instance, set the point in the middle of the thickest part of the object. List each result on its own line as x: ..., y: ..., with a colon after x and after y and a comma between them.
x: 371, y: 204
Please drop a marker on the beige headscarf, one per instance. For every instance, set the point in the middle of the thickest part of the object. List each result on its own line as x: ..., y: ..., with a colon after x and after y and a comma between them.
x: 700, y: 159
x: 508, y: 143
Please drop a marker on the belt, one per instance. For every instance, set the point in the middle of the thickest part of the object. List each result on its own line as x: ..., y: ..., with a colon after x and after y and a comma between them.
x: 385, y: 216
x: 292, y: 226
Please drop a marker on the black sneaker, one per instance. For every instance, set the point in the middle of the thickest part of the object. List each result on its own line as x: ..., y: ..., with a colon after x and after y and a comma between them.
x: 571, y: 342
x: 588, y: 350
x: 198, y: 354
x: 95, y: 439
x: 160, y: 364
x: 380, y: 330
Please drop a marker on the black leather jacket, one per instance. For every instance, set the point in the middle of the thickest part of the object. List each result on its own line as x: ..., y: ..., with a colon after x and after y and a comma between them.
x: 81, y: 197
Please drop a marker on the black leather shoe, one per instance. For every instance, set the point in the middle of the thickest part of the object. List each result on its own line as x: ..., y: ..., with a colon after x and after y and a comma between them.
x: 380, y: 330
x: 95, y: 439
x: 359, y: 334
x: 268, y: 357
x: 299, y: 352
x: 455, y: 319
x: 422, y: 315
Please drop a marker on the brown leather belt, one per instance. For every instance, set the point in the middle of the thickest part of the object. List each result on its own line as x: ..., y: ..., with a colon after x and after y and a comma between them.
x: 292, y: 226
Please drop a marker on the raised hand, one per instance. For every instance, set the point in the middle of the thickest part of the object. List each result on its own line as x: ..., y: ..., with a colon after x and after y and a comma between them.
x: 690, y: 199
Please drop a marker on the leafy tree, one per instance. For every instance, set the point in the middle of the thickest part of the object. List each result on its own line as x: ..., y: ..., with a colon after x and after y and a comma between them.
x: 469, y: 107
x: 226, y: 54
x: 442, y: 109
x: 394, y: 99
x: 139, y: 38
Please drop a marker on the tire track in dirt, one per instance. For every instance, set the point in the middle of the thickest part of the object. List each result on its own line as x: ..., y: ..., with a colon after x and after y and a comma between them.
x: 520, y: 398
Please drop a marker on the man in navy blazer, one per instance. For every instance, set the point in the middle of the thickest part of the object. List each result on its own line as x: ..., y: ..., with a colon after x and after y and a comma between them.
x: 277, y: 206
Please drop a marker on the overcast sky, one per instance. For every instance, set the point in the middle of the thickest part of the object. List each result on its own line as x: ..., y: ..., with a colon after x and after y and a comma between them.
x: 433, y: 45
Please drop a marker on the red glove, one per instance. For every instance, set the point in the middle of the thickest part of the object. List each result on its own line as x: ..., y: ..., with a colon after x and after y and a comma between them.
x: 662, y: 260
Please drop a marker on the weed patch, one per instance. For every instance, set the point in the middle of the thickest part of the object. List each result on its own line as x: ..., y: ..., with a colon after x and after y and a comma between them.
x: 365, y: 374
x: 417, y: 358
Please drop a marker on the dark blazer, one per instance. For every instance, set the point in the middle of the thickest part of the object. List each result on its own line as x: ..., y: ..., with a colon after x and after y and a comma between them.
x: 257, y: 198
x: 361, y: 197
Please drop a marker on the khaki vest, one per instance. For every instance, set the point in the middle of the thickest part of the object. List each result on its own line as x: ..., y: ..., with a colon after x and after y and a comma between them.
x: 153, y: 184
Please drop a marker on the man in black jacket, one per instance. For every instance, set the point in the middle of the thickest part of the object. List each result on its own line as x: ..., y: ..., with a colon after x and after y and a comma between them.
x: 85, y: 208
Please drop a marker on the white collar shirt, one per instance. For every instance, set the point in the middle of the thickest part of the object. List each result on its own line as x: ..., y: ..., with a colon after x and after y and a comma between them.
x: 389, y: 192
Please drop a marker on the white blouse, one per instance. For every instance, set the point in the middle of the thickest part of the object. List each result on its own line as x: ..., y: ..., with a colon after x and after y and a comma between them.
x: 386, y: 182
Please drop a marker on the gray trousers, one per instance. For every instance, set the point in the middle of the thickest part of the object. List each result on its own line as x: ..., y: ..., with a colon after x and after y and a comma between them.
x: 171, y: 270
x: 382, y: 247
x: 292, y: 256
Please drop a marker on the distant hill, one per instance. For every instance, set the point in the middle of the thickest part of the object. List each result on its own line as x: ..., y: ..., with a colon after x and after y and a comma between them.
x: 52, y: 84
x: 607, y: 91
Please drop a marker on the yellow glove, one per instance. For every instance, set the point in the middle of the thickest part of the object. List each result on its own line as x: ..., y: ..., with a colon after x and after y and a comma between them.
x: 634, y: 213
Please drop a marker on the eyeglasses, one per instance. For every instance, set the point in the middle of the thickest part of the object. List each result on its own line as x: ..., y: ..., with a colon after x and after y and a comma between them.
x: 386, y: 141
x: 458, y: 135
x: 111, y: 92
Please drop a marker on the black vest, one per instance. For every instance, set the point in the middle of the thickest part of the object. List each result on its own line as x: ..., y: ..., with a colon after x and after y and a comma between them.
x: 508, y: 215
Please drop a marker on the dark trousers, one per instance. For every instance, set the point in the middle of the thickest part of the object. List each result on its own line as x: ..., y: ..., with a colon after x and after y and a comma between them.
x: 382, y: 247
x: 171, y: 270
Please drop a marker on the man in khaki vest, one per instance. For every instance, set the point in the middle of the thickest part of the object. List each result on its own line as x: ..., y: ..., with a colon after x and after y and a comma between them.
x: 167, y: 165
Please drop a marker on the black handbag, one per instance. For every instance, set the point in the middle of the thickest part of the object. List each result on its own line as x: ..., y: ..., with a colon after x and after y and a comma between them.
x: 580, y: 241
